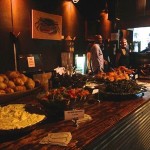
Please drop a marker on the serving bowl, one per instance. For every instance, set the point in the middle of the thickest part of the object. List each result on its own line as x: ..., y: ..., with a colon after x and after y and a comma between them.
x: 14, y: 130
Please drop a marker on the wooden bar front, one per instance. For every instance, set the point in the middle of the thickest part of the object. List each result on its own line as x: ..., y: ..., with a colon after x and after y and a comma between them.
x: 114, y: 125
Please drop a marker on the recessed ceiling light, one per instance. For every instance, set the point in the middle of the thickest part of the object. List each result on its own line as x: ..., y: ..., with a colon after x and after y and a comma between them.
x: 75, y: 1
x: 118, y: 19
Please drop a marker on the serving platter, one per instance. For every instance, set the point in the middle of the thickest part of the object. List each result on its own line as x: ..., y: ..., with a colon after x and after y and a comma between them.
x: 121, y: 96
x: 5, y: 98
x: 17, y: 132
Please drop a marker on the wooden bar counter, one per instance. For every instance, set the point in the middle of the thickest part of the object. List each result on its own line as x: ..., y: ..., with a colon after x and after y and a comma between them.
x: 115, y: 125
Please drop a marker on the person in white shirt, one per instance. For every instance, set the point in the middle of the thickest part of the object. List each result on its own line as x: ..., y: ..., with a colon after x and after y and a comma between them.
x: 97, y: 60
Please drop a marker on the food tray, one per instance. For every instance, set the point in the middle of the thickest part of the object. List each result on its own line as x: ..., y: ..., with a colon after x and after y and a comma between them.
x: 6, y: 135
x: 5, y: 98
x: 121, y: 96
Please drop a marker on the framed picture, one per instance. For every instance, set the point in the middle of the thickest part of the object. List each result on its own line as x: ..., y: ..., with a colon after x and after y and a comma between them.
x: 46, y: 26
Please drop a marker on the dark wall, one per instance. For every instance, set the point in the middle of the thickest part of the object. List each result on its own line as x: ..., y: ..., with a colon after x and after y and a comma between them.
x: 22, y: 22
x: 135, y: 13
x: 5, y: 44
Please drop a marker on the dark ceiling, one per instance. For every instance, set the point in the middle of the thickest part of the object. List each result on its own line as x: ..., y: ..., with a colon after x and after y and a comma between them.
x: 91, y: 8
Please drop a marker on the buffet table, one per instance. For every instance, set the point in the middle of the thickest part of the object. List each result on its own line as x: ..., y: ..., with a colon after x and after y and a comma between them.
x: 121, y: 125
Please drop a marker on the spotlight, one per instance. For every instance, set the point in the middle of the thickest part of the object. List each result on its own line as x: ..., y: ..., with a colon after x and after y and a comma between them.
x: 75, y: 1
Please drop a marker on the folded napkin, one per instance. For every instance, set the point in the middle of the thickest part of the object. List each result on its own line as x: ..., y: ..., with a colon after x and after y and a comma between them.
x: 60, y: 138
x: 84, y: 119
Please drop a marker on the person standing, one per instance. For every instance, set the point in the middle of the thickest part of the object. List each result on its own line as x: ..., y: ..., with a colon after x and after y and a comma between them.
x: 88, y: 56
x: 97, y: 60
x: 122, y: 56
x: 106, y: 54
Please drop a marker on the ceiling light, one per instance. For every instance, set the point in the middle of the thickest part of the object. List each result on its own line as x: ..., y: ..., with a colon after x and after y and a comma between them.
x: 118, y: 19
x: 75, y: 1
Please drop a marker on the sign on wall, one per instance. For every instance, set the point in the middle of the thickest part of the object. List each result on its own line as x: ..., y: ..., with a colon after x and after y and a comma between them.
x: 46, y: 26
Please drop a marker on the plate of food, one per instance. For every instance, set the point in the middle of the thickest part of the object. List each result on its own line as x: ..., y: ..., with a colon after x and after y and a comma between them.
x: 17, y: 119
x: 123, y: 89
x: 14, y: 84
x: 56, y: 101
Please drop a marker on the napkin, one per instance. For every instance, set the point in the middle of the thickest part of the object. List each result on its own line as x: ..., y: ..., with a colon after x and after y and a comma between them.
x: 84, y: 119
x: 60, y: 138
